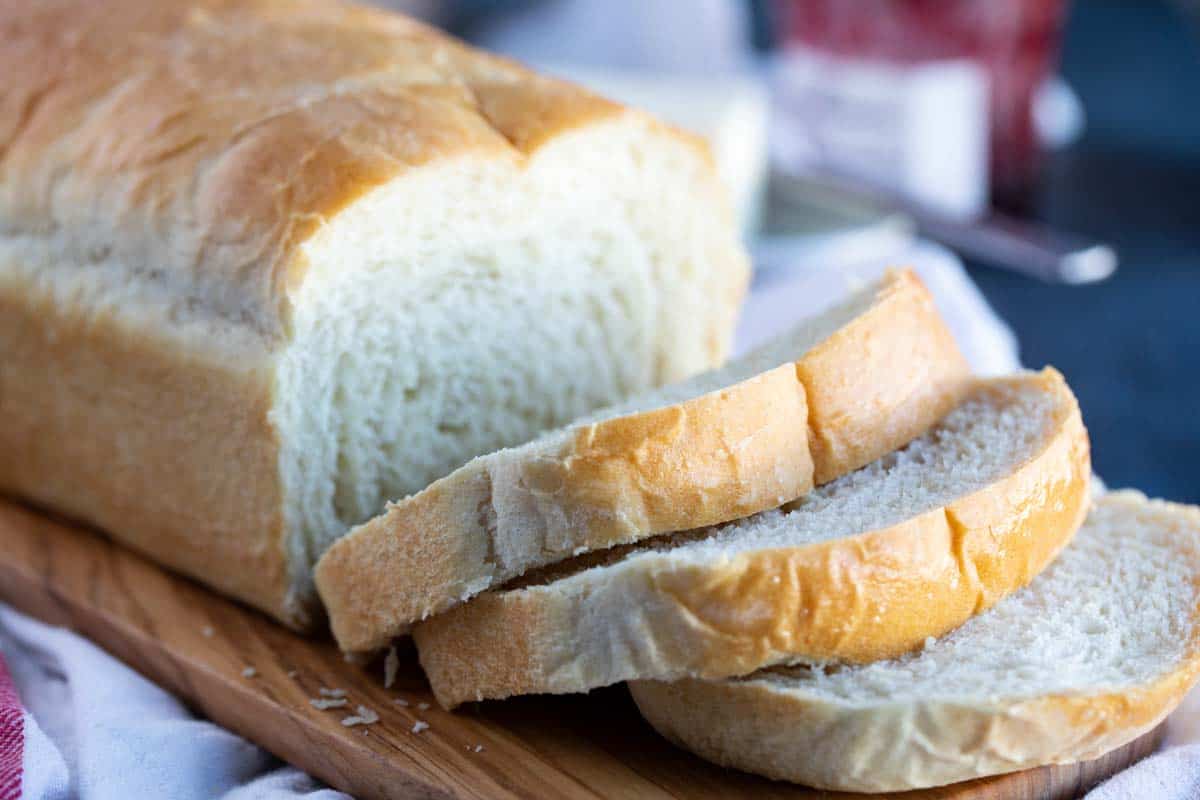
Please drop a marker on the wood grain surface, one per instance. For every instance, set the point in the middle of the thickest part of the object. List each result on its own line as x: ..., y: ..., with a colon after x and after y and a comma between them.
x: 202, y: 646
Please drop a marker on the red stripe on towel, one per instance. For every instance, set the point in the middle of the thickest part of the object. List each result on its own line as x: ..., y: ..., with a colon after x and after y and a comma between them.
x: 12, y: 737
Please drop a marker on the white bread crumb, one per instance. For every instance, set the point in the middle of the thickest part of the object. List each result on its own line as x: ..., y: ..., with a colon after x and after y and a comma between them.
x: 208, y: 631
x: 391, y: 664
x: 326, y: 703
x: 419, y: 726
x: 292, y: 673
x: 478, y: 748
x: 332, y: 692
x: 249, y: 672
x: 423, y: 706
x: 365, y: 716
x: 400, y: 701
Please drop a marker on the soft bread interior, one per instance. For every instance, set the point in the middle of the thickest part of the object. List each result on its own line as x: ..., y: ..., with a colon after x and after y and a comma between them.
x: 471, y: 304
x: 1114, y: 611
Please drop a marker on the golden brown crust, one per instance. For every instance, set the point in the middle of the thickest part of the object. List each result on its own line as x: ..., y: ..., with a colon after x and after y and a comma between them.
x: 746, y: 725
x: 250, y: 122
x: 65, y: 378
x: 760, y: 727
x: 879, y: 382
x: 858, y: 598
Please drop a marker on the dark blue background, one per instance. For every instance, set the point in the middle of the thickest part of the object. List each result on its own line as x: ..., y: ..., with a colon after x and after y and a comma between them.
x: 1130, y: 347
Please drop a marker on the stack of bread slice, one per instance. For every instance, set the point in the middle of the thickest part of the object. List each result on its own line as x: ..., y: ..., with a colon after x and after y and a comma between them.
x: 840, y: 560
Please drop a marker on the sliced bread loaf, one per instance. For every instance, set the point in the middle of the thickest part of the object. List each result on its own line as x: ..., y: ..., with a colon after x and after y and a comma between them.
x: 835, y: 393
x: 266, y: 265
x: 1094, y: 653
x: 866, y: 567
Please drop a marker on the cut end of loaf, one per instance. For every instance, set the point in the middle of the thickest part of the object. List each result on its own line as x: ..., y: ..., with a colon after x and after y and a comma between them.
x: 472, y: 304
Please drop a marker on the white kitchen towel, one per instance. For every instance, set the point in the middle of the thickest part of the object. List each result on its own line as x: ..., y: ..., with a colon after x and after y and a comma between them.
x: 90, y: 728
x: 93, y: 729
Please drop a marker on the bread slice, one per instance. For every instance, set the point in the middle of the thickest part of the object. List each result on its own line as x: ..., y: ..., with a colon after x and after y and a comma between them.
x: 833, y: 394
x: 1094, y: 653
x: 866, y: 567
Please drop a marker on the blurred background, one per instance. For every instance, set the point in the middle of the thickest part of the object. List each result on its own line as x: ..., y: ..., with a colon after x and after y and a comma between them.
x: 1051, y: 147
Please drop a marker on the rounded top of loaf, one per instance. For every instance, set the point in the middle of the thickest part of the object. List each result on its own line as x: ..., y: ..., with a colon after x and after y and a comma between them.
x: 211, y: 138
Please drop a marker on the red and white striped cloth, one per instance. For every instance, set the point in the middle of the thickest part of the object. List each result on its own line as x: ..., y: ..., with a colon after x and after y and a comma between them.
x: 12, y: 736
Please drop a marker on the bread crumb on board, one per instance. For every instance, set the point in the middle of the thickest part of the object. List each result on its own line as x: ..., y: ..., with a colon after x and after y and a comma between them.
x: 249, y: 672
x: 423, y: 706
x: 325, y: 703
x: 365, y: 716
x: 391, y: 665
x: 400, y: 701
x: 420, y: 725
x: 208, y: 631
x: 325, y: 692
x: 292, y: 673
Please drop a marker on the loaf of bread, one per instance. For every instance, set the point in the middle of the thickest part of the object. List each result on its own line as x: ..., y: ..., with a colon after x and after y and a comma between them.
x: 267, y: 265
x: 1094, y: 653
x: 836, y: 392
x: 865, y: 567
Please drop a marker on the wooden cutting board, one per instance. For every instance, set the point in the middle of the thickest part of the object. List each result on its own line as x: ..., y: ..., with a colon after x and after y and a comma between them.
x: 240, y: 669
